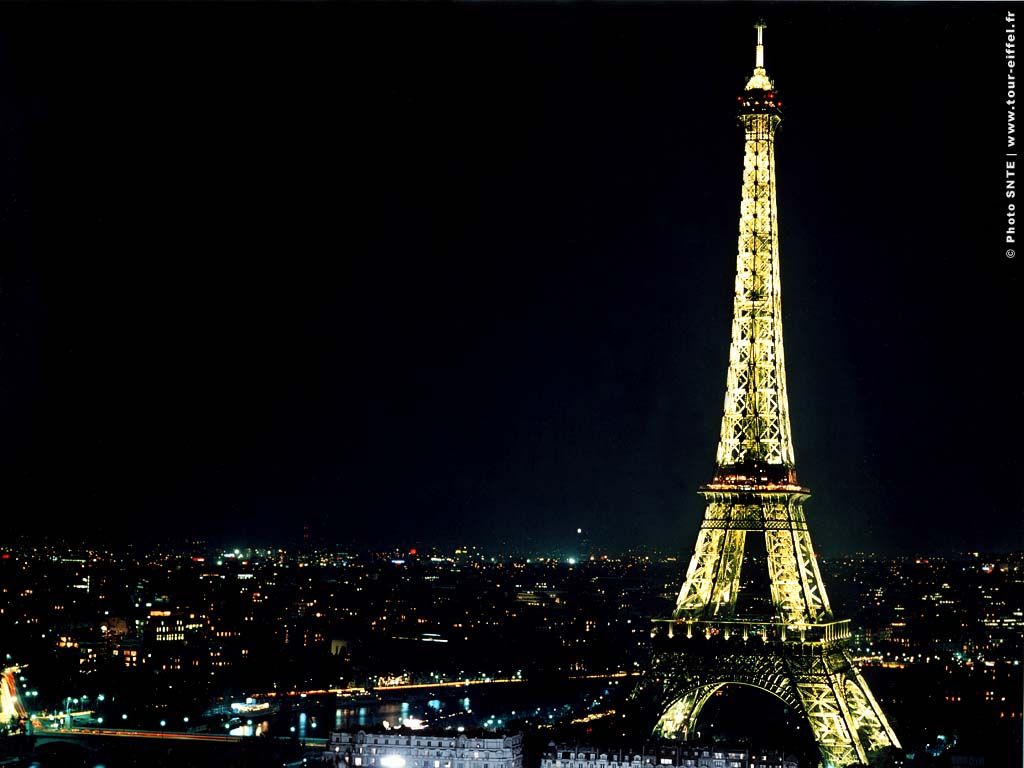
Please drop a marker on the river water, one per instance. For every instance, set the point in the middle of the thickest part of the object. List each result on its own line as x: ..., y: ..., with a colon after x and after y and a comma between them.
x: 491, y: 706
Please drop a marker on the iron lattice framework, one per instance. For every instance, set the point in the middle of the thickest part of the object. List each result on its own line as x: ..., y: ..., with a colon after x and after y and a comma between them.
x: 796, y: 649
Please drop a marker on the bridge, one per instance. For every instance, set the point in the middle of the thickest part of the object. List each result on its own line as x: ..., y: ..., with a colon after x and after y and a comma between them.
x: 87, y: 736
x: 178, y: 747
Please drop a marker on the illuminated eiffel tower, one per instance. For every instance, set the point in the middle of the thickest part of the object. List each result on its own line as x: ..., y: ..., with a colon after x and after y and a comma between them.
x: 789, y: 644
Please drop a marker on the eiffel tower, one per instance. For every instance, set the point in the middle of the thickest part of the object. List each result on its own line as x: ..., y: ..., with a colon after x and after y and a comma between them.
x: 789, y: 644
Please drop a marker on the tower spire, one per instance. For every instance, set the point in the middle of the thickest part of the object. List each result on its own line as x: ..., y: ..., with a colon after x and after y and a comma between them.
x: 759, y: 56
x: 759, y: 80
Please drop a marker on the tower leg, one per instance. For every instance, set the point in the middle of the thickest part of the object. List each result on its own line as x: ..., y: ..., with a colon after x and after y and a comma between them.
x: 868, y: 717
x: 680, y: 721
x: 831, y: 724
x: 844, y: 719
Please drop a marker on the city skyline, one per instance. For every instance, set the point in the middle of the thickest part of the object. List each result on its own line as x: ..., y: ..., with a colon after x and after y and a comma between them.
x: 161, y: 641
x: 449, y: 279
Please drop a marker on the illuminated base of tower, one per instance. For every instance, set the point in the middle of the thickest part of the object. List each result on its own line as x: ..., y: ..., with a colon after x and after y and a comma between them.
x: 808, y: 668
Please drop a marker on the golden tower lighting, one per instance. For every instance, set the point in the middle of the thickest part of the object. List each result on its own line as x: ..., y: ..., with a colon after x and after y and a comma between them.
x: 791, y: 645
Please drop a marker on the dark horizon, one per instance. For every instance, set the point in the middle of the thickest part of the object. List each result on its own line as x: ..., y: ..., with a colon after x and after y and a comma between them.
x: 463, y: 273
x: 501, y: 551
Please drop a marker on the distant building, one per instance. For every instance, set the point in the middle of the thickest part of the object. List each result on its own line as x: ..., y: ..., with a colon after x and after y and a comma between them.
x: 419, y: 749
x: 666, y: 755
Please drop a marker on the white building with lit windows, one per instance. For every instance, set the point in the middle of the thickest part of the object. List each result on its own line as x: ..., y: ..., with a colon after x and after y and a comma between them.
x: 418, y: 749
x: 665, y: 755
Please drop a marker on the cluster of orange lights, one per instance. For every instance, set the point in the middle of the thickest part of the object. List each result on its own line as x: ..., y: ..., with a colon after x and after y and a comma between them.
x: 754, y: 484
x: 729, y: 482
x: 769, y: 100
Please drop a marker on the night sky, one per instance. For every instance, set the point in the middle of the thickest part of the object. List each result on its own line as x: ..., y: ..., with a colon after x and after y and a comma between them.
x: 463, y: 273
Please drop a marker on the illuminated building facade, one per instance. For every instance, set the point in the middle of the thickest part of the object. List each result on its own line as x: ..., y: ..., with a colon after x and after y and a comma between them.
x: 410, y: 749
x: 666, y: 754
x: 789, y: 644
